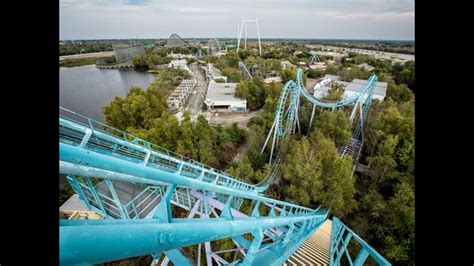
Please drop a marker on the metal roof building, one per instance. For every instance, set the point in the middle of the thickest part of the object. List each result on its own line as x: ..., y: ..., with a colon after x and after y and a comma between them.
x: 350, y: 88
x: 366, y: 67
x: 220, y: 97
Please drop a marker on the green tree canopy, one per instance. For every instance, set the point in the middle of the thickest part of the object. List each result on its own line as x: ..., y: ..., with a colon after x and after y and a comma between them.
x: 313, y: 174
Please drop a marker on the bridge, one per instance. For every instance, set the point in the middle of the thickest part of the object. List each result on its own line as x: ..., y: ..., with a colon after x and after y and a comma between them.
x: 154, y: 201
x: 117, y: 65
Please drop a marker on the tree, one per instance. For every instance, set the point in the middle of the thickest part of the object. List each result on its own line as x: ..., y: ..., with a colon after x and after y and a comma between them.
x: 243, y: 171
x: 290, y: 74
x: 313, y: 174
x: 164, y: 131
x: 185, y: 145
x: 405, y: 74
x: 335, y: 93
x: 351, y: 73
x: 314, y: 74
x: 139, y: 61
x: 399, y: 93
x: 301, y: 172
x: 334, y: 125
x: 399, y: 243
x: 232, y: 74
x: 203, y: 139
x: 332, y: 69
x: 137, y: 110
x: 256, y: 91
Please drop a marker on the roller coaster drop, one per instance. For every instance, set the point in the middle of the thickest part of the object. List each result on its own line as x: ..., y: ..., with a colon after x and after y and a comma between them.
x: 100, y: 160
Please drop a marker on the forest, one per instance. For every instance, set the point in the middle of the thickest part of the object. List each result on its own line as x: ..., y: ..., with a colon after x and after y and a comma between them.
x: 69, y: 47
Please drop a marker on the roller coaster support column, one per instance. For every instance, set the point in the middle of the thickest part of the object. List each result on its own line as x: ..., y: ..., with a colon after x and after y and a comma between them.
x: 297, y: 107
x: 351, y: 118
x: 254, y: 247
x: 273, y: 142
x: 311, y: 119
x: 163, y: 211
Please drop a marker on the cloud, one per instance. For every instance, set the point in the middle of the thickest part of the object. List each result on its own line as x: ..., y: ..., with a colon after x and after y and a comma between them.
x: 385, y: 19
x: 137, y: 2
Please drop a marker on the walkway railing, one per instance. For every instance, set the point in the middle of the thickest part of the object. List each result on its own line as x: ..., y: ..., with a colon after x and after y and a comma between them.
x: 74, y: 126
x: 341, y: 236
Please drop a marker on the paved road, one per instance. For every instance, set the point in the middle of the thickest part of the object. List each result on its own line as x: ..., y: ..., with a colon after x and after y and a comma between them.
x: 77, y: 56
x: 196, y: 100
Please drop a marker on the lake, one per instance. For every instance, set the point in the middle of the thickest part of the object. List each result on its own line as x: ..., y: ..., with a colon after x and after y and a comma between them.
x: 86, y: 89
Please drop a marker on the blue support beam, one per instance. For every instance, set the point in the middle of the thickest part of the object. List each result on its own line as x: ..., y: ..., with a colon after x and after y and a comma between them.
x: 361, y: 257
x: 163, y: 211
x: 95, y: 194
x: 226, y: 211
x: 77, y: 188
x: 116, y: 199
x: 119, y: 239
x: 254, y: 247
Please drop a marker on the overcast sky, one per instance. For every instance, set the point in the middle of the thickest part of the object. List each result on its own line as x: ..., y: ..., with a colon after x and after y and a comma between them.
x: 338, y: 19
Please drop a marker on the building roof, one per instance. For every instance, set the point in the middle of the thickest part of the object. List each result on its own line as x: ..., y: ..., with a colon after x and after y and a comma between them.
x: 215, y: 72
x: 367, y: 66
x: 380, y: 87
x: 221, y: 92
x: 212, y: 71
x: 287, y: 63
x: 354, y: 85
x: 272, y: 79
x: 332, y: 77
x: 179, y: 61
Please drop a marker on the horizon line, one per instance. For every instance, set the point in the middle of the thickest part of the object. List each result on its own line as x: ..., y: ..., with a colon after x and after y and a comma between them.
x: 266, y: 38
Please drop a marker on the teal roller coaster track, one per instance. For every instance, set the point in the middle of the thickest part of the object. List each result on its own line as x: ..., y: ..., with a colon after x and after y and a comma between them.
x: 103, y: 164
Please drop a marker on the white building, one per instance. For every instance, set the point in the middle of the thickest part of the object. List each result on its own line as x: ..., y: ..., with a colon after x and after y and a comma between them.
x: 286, y: 64
x: 178, y: 63
x: 179, y: 56
x: 303, y: 65
x: 220, y: 97
x: 366, y: 67
x: 272, y: 79
x: 318, y: 66
x: 321, y: 89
